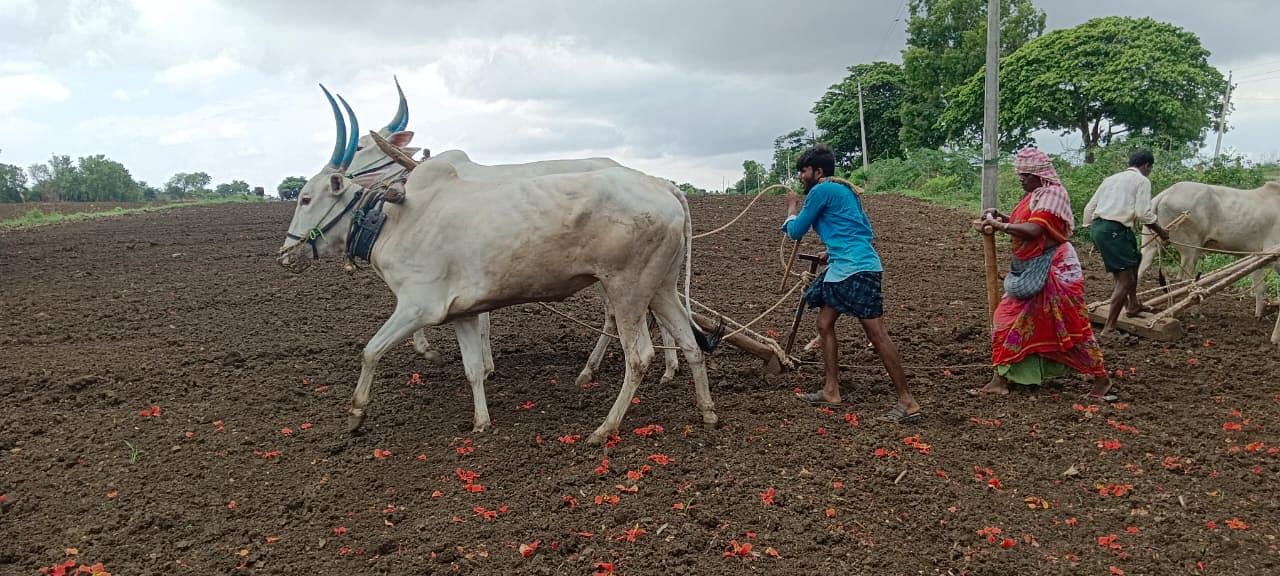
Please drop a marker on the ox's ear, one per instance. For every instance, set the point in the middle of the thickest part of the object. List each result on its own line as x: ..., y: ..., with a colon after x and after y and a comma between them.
x: 335, y: 182
x: 401, y: 138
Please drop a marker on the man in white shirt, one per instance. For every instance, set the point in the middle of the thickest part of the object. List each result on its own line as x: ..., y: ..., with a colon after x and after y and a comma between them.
x: 1122, y: 201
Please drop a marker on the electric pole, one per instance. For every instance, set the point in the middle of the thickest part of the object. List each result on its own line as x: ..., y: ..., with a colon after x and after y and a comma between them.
x: 1222, y: 119
x: 862, y: 126
x: 991, y: 148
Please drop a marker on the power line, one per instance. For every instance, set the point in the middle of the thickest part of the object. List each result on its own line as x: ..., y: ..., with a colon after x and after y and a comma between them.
x: 1259, y: 76
x: 889, y: 29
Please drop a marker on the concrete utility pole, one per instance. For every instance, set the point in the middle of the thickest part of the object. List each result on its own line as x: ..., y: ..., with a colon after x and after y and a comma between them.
x: 991, y: 148
x: 1222, y: 120
x: 862, y: 126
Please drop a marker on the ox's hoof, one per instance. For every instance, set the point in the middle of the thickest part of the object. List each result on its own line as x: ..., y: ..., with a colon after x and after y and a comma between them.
x: 666, y: 379
x: 710, y: 420
x: 354, y: 420
x: 480, y: 427
x: 433, y: 357
x: 583, y: 379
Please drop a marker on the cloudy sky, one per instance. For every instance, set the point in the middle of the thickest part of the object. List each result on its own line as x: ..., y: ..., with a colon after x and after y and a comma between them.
x: 684, y: 90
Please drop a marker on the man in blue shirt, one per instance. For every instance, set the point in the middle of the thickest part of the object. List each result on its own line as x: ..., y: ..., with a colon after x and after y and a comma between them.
x: 851, y: 282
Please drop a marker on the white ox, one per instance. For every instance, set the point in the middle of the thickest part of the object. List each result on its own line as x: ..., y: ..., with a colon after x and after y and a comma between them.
x: 458, y: 248
x: 370, y: 164
x: 1221, y: 218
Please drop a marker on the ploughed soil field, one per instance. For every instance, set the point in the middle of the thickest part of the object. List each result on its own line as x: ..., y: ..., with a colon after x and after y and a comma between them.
x: 8, y: 211
x: 175, y: 403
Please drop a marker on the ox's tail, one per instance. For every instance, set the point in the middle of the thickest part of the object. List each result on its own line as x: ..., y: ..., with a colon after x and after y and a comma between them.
x: 706, y: 342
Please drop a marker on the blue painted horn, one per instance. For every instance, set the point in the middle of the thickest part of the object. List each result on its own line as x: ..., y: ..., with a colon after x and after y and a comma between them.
x: 350, y: 151
x: 402, y: 113
x: 336, y: 159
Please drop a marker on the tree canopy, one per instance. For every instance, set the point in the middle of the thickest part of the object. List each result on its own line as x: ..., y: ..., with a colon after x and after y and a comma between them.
x: 290, y: 187
x: 883, y: 90
x: 946, y: 45
x: 1108, y: 76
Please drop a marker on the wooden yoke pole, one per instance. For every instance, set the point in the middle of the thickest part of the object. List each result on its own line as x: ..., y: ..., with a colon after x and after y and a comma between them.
x: 991, y: 149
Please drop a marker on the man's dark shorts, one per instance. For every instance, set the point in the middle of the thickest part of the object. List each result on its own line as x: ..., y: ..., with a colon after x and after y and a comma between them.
x: 858, y: 295
x: 1117, y: 243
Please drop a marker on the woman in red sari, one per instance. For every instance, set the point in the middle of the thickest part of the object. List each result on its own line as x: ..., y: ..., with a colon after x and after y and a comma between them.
x: 1041, y: 327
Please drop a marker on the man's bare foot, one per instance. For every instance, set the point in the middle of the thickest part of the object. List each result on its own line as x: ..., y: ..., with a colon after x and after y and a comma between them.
x: 1139, y: 311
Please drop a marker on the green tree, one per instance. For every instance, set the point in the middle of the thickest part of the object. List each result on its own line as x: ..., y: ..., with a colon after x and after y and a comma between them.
x: 786, y: 149
x: 290, y: 187
x: 185, y: 184
x: 752, y: 178
x: 149, y: 193
x: 49, y: 181
x: 1103, y: 78
x: 13, y: 184
x: 691, y: 190
x: 232, y: 188
x: 97, y: 179
x: 883, y: 90
x: 946, y: 45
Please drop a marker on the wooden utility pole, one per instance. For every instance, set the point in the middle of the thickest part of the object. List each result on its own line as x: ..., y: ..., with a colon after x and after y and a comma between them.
x: 991, y: 149
x: 1222, y: 119
x: 862, y: 126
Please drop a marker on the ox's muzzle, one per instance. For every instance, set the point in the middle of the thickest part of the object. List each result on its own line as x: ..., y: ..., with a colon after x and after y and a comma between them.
x: 292, y: 258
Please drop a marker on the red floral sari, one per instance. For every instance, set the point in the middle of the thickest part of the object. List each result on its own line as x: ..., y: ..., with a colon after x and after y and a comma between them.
x: 1053, y: 324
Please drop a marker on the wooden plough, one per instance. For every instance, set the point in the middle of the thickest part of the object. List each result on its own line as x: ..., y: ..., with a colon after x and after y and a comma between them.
x: 1167, y: 301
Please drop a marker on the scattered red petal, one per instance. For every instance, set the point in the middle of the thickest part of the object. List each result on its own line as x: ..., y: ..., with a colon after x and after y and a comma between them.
x: 613, y: 440
x: 305, y: 426
x: 421, y: 458
x: 602, y: 569
x: 1132, y: 529
x: 767, y: 496
x: 1072, y: 522
x: 830, y: 512
x: 528, y: 405
x: 570, y: 501
x: 473, y: 488
x: 436, y: 493
x: 737, y: 550
x: 286, y: 432
x: 569, y: 438
x: 527, y: 550
x: 267, y: 454
x: 678, y: 506
x: 1108, y: 444
x: 380, y: 453
x: 1008, y: 543
x: 603, y: 468
x: 1232, y: 426
x: 660, y: 459
x: 1237, y: 524
x: 822, y: 430
x: 941, y: 473
x: 648, y: 431
x: 231, y: 505
x: 1116, y: 571
x: 632, y: 534
x: 340, y: 530
x: 771, y: 552
x: 851, y: 418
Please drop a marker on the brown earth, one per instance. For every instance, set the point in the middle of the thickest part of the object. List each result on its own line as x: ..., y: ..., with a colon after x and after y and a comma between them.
x: 8, y: 211
x: 185, y: 310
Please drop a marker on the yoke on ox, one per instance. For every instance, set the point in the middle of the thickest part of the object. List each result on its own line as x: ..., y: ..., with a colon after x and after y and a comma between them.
x: 458, y: 248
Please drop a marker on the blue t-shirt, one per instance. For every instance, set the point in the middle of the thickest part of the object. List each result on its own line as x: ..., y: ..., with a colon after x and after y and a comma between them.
x: 835, y: 213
